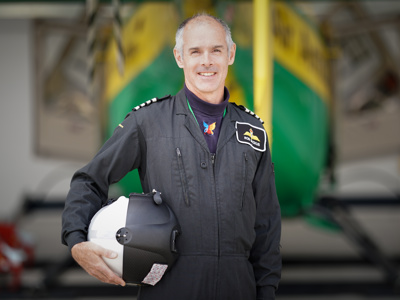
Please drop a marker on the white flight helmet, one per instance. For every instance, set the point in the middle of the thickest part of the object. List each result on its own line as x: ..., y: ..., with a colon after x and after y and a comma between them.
x: 143, y: 231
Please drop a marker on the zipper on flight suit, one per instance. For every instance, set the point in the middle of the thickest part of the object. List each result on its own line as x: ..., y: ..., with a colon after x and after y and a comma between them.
x: 213, y: 160
x: 218, y: 225
x: 183, y: 177
x: 216, y: 197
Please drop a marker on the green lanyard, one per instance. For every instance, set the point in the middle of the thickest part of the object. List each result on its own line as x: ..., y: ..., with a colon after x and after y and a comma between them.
x: 191, y: 110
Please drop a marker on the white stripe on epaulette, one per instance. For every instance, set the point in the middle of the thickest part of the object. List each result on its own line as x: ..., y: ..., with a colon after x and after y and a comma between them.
x: 245, y: 109
x: 148, y: 102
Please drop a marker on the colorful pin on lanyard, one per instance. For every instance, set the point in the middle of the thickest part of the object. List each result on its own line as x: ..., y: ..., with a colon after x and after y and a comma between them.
x: 191, y: 110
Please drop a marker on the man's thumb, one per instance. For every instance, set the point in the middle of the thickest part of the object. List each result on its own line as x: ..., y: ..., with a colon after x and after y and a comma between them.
x: 99, y: 250
x: 111, y: 254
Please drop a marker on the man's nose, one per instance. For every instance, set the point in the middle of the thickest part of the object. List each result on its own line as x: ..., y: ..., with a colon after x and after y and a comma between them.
x: 207, y: 59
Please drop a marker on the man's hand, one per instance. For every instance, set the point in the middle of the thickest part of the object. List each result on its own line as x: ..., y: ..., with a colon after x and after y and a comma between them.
x: 88, y: 256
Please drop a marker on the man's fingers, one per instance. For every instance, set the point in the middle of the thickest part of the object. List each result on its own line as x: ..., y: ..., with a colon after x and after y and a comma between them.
x: 89, y: 257
x: 100, y: 251
x: 102, y: 272
x: 109, y: 254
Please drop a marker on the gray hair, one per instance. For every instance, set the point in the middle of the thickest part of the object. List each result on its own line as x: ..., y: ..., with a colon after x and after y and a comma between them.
x: 179, y: 32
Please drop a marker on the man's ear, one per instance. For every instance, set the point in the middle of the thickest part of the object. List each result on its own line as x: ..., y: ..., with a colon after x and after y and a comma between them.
x: 178, y: 58
x: 232, y: 54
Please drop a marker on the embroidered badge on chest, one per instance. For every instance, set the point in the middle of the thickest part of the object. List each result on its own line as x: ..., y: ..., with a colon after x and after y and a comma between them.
x: 208, y: 129
x: 251, y: 135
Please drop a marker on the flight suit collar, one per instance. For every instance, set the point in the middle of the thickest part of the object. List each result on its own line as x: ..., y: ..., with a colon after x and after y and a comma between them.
x: 227, y: 128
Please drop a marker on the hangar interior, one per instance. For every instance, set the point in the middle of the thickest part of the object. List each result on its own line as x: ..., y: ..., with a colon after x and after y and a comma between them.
x: 360, y: 261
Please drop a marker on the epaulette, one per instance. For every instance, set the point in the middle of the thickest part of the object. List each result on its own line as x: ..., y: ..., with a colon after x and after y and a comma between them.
x: 245, y: 109
x: 148, y: 102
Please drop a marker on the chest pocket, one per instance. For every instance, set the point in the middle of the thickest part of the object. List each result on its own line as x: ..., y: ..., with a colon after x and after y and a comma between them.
x: 244, y: 179
x: 182, y: 175
x: 244, y: 167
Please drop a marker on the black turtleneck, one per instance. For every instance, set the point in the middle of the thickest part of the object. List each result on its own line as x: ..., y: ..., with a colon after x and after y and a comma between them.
x: 209, y: 116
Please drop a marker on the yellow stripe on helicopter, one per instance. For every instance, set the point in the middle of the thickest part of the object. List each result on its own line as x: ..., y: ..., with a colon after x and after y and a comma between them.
x: 300, y: 49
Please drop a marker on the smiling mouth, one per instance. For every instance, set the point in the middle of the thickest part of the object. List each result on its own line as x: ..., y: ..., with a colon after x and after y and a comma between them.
x: 207, y: 74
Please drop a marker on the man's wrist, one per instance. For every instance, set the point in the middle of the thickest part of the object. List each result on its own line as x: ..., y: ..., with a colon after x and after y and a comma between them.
x: 266, y: 293
x: 74, y: 238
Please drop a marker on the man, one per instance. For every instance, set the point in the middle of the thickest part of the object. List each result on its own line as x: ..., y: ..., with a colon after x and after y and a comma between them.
x: 211, y: 161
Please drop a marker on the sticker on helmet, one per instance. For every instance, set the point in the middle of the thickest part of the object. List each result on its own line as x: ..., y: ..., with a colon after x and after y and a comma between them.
x: 156, y: 273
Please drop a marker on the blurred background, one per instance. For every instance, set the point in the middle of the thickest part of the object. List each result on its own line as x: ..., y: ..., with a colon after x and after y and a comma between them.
x: 71, y: 70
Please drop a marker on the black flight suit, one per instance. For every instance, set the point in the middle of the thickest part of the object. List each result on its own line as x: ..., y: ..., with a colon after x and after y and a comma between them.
x: 226, y: 203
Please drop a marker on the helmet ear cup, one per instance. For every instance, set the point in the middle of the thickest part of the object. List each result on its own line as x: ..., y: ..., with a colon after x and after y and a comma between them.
x: 148, y: 236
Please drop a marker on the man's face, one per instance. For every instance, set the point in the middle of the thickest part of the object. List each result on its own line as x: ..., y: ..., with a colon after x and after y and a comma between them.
x: 205, y: 58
